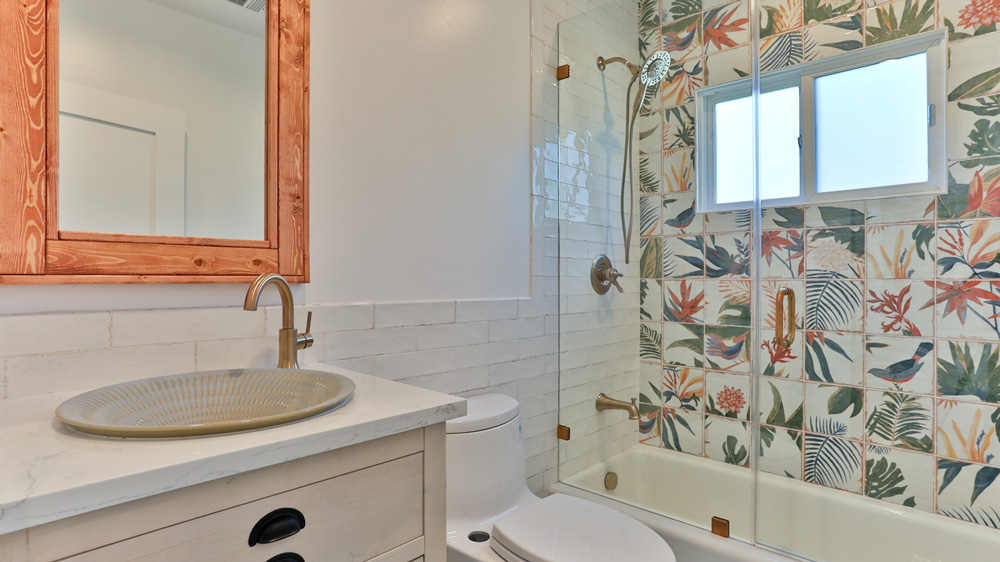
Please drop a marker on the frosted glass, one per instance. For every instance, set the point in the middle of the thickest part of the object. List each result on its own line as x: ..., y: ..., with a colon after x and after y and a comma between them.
x: 779, y: 142
x: 733, y: 151
x: 871, y: 125
x: 779, y: 153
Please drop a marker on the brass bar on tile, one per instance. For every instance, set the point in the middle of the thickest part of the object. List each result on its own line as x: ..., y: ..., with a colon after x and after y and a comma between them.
x: 779, y: 318
x: 562, y: 72
x: 785, y: 295
x: 791, y: 318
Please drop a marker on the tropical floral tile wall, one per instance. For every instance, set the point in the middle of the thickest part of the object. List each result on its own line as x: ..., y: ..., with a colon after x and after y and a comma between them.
x: 892, y: 389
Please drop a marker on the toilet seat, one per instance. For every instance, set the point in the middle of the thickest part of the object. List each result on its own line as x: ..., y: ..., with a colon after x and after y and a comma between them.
x: 563, y: 528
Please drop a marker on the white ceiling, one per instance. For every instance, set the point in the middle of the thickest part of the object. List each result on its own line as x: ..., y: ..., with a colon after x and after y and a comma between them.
x: 222, y: 12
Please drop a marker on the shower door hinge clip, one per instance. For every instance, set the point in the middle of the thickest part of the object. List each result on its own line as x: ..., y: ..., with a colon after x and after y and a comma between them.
x: 562, y: 72
x: 562, y: 432
x: 720, y: 527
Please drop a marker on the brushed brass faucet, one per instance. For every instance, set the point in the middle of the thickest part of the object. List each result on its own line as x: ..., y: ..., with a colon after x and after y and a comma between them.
x: 605, y: 402
x: 289, y: 340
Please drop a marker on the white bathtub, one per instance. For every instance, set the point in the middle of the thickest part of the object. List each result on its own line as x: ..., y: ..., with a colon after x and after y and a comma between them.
x: 802, y: 518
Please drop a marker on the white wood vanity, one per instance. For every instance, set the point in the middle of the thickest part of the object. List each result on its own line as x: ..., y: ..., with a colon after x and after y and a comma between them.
x: 368, y: 479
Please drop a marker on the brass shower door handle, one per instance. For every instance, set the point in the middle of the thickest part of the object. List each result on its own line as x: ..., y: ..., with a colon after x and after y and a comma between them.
x: 785, y: 295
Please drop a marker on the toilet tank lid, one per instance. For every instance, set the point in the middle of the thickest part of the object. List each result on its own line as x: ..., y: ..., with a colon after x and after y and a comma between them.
x: 484, y: 412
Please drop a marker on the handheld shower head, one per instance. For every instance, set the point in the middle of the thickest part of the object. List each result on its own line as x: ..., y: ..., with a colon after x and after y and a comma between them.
x: 655, y: 69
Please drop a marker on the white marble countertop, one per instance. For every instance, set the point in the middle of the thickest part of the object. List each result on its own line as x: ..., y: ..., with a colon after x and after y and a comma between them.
x: 49, y: 472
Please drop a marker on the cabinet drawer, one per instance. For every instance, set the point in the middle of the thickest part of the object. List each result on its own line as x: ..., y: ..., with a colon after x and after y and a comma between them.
x: 352, y: 517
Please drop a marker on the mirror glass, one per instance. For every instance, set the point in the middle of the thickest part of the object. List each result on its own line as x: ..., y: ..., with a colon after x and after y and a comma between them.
x: 162, y: 117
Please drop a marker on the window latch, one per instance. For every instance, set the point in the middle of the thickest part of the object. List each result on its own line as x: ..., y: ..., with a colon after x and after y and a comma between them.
x: 930, y: 115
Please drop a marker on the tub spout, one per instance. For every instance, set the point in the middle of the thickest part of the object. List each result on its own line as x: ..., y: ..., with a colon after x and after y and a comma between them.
x: 605, y: 402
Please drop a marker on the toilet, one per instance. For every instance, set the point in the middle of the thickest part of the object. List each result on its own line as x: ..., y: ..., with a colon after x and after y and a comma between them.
x: 493, y: 517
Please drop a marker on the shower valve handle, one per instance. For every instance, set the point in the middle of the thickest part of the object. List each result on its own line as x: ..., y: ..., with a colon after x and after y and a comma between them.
x: 611, y: 276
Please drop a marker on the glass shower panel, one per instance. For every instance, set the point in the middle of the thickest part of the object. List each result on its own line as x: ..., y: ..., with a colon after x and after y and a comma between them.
x: 679, y: 338
x: 598, y: 350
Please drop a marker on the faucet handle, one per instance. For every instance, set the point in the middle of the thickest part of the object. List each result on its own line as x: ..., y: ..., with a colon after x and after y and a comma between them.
x: 613, y: 276
x: 305, y: 340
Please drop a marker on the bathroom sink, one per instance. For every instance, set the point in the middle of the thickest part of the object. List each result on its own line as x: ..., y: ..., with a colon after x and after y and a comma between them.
x: 205, y: 403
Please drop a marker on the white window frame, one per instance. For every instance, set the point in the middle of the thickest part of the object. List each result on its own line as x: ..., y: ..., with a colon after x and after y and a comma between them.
x: 803, y: 76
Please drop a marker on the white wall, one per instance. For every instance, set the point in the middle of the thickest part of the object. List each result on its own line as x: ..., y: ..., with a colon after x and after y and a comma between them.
x: 420, y: 149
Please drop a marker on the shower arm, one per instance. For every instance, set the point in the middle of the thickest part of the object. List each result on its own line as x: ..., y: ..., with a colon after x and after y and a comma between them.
x: 602, y: 63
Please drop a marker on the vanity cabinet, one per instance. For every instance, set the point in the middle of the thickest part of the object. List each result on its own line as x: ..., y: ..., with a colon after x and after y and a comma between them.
x: 381, y: 501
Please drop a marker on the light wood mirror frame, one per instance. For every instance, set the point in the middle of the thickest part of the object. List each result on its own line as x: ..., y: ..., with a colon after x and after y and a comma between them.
x: 34, y: 251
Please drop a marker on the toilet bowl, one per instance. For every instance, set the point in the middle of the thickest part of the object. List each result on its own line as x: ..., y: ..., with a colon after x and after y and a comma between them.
x: 493, y: 517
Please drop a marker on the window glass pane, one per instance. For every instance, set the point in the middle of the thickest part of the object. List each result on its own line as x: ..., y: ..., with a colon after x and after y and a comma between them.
x: 733, y: 151
x: 779, y: 134
x: 871, y: 125
x: 779, y: 144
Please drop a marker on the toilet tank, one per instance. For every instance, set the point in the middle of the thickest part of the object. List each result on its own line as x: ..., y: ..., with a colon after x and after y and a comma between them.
x: 485, y: 459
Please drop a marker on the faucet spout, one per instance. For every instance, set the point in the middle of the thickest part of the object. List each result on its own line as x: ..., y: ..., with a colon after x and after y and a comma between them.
x: 287, y: 306
x: 289, y: 340
x: 605, y: 402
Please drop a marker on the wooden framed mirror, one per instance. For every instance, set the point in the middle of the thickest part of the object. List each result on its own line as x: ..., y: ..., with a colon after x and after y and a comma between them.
x: 35, y: 249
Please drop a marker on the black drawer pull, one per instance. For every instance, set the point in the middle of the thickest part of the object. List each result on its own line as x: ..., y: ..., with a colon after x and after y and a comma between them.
x: 287, y: 557
x: 279, y: 524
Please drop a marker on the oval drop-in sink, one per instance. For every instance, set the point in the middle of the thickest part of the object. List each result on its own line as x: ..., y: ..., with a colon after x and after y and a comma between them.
x: 205, y: 403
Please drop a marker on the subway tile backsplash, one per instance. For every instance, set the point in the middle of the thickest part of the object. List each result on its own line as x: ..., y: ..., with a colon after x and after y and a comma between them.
x: 499, y: 346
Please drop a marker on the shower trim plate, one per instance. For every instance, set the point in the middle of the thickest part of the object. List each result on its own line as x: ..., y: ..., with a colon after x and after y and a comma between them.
x: 603, y: 275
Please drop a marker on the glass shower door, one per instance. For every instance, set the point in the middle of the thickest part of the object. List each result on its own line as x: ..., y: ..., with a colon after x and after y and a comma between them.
x: 878, y: 428
x: 597, y: 351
